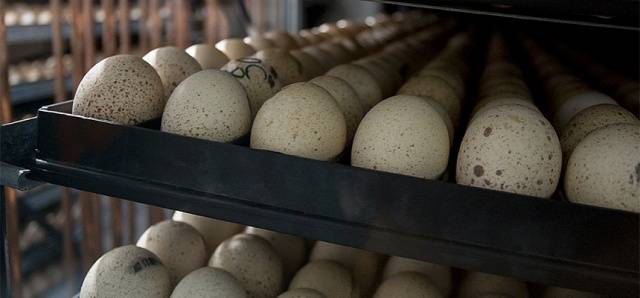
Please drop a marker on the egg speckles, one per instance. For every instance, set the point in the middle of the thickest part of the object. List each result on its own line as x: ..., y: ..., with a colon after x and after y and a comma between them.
x: 209, y: 282
x: 604, y: 168
x: 292, y: 249
x: 173, y: 66
x: 510, y: 148
x: 404, y: 135
x: 347, y: 100
x: 209, y: 105
x: 361, y: 81
x: 289, y: 69
x: 260, y: 80
x: 252, y: 261
x: 437, y: 89
x: 303, y: 120
x: 123, y: 88
x: 213, y: 231
x: 207, y: 55
x: 127, y: 271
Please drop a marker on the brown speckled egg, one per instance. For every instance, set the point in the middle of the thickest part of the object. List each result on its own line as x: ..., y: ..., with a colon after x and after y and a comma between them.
x: 490, y: 102
x: 310, y: 65
x: 302, y: 293
x: 260, y: 80
x: 510, y: 148
x: 178, y: 245
x: 361, y: 81
x: 443, y: 115
x: 253, y: 261
x: 363, y: 264
x: 556, y: 292
x: 209, y: 105
x: 123, y: 88
x: 604, y: 168
x: 209, y: 282
x: 590, y: 119
x: 328, y: 277
x: 324, y: 57
x: 173, y: 66
x: 381, y: 76
x: 214, y: 231
x: 347, y: 100
x: 127, y: 271
x: 303, y: 120
x: 291, y: 249
x: 405, y: 135
x: 440, y: 275
x: 476, y: 284
x: 437, y: 89
x: 207, y: 55
x: 288, y: 68
x: 235, y: 48
x: 258, y: 42
x: 282, y: 40
x: 408, y: 284
x: 577, y: 103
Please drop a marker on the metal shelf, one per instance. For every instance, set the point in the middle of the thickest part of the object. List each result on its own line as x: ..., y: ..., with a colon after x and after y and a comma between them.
x: 30, y: 92
x: 544, y: 241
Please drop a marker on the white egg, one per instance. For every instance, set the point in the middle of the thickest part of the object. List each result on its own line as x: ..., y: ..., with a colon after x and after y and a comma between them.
x: 440, y: 275
x: 207, y: 55
x: 209, y: 282
x: 408, y: 284
x: 291, y: 249
x: 577, y: 103
x: 330, y: 278
x: 235, y: 48
x: 214, y: 231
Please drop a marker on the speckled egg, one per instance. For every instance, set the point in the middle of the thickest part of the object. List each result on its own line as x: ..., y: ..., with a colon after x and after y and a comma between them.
x: 362, y: 264
x: 405, y: 135
x: 324, y: 57
x: 363, y: 82
x: 454, y: 78
x: 510, y: 148
x: 437, y: 89
x: 253, y: 262
x: 408, y: 284
x: 213, y: 231
x: 173, y: 66
x: 556, y: 292
x: 327, y: 277
x: 281, y: 40
x: 207, y: 55
x: 604, y: 168
x: 577, y: 103
x: 381, y: 76
x: 300, y: 41
x: 477, y: 284
x: 302, y: 293
x: 347, y: 100
x: 303, y: 120
x: 178, y: 245
x: 208, y: 105
x: 289, y: 69
x: 440, y: 275
x: 127, y: 271
x: 443, y: 115
x: 123, y: 88
x: 337, y: 51
x: 590, y: 119
x: 490, y: 102
x: 310, y: 65
x: 291, y: 249
x: 260, y: 80
x: 235, y: 48
x: 209, y: 282
x: 258, y: 42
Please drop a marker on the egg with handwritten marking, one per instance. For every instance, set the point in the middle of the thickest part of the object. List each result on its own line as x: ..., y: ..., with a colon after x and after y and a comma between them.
x: 260, y: 80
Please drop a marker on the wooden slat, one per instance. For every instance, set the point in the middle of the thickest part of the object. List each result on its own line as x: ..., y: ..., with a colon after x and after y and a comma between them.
x: 155, y: 27
x: 131, y: 222
x: 125, y: 35
x: 182, y: 23
x: 5, y: 101
x: 211, y: 22
x: 88, y: 216
x: 88, y: 34
x: 108, y: 28
x: 143, y: 34
x: 76, y: 42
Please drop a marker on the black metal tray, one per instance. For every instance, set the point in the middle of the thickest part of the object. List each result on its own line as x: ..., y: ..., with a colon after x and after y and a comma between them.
x: 537, y: 240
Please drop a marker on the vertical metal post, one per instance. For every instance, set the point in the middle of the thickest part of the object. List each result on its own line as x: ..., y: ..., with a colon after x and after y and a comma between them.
x: 5, y: 281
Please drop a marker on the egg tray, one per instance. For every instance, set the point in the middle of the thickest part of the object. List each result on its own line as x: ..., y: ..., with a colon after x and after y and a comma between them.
x: 545, y: 241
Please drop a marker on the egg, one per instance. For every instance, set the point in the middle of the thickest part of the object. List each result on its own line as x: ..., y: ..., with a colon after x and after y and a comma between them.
x: 288, y: 68
x: 325, y: 58
x: 127, y: 271
x: 302, y: 120
x: 291, y: 249
x: 173, y: 66
x: 363, y: 82
x: 347, y: 99
x: 556, y: 292
x: 302, y: 293
x: 443, y: 115
x: 490, y: 102
x: 437, y: 89
x: 604, y: 168
x: 178, y: 245
x: 590, y: 119
x: 260, y: 80
x: 208, y: 105
x: 477, y: 284
x: 235, y: 48
x: 259, y: 42
x: 337, y: 51
x: 510, y: 148
x: 408, y: 284
x: 577, y: 103
x: 403, y: 135
x: 213, y: 231
x: 327, y: 277
x: 253, y: 262
x: 281, y: 40
x: 440, y: 275
x: 300, y: 41
x: 381, y: 76
x: 362, y: 264
x: 111, y: 90
x: 310, y: 65
x: 455, y: 79
x: 209, y: 282
x: 207, y: 55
